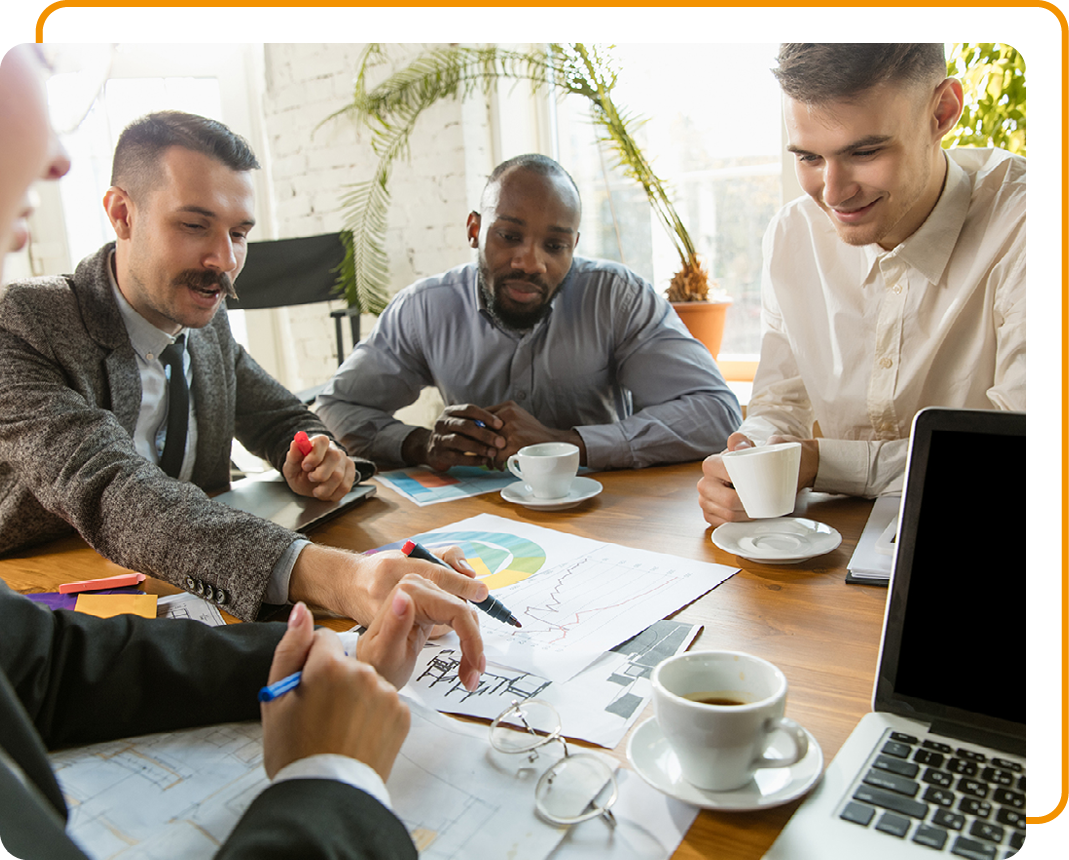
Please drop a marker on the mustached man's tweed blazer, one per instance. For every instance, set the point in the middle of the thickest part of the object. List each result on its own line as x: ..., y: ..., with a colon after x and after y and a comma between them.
x: 70, y: 392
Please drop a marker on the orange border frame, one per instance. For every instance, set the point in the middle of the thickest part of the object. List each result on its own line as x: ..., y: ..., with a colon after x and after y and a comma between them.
x: 1055, y: 11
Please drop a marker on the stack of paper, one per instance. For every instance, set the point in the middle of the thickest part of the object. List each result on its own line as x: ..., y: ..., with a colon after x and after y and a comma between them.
x: 875, y: 552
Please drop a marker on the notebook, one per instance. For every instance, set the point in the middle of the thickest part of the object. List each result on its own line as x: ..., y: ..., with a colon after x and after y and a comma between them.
x: 269, y: 496
x: 937, y: 768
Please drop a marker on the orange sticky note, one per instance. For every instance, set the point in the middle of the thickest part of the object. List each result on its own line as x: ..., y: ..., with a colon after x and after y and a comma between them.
x: 107, y: 605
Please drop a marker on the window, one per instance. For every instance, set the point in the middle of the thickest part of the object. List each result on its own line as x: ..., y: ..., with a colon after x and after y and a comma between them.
x: 713, y: 133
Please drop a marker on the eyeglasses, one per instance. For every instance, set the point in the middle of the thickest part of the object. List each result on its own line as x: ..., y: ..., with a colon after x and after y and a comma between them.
x: 77, y: 76
x: 576, y: 787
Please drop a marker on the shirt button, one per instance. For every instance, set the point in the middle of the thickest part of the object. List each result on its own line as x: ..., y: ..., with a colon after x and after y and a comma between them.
x: 885, y: 362
x: 896, y: 289
x: 149, y: 356
x: 522, y: 395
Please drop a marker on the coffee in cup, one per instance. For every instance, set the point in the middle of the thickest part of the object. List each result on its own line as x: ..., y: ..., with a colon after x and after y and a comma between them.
x: 765, y: 477
x: 719, y: 710
x: 547, y: 468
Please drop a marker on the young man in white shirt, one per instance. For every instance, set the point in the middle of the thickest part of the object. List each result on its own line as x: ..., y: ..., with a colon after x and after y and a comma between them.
x: 897, y: 283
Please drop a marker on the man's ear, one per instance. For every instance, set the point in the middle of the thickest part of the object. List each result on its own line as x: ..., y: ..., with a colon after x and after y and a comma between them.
x: 474, y: 222
x: 119, y: 207
x: 949, y: 100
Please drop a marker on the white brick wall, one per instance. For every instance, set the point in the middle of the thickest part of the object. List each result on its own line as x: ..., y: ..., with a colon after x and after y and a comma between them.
x: 308, y: 167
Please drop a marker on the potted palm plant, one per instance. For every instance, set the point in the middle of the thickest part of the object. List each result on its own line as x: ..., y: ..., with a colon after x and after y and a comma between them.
x: 391, y: 108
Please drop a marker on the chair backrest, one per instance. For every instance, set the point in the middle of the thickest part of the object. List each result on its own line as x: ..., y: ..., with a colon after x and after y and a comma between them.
x: 288, y: 272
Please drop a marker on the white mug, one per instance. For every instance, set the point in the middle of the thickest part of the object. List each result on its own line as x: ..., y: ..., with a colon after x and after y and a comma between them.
x: 547, y: 468
x: 718, y: 710
x: 765, y: 477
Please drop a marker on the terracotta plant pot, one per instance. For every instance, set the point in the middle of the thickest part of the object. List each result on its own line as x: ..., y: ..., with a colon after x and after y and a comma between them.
x: 704, y: 320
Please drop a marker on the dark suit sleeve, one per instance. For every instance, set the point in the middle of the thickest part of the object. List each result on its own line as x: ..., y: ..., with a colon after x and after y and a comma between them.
x: 316, y: 818
x: 83, y: 679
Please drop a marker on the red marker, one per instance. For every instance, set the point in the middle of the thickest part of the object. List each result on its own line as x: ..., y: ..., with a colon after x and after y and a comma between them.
x: 304, y: 444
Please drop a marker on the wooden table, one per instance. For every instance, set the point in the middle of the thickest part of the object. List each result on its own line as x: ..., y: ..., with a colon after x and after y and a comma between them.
x: 822, y: 633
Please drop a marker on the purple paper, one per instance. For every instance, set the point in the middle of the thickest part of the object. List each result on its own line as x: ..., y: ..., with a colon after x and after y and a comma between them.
x: 55, y: 600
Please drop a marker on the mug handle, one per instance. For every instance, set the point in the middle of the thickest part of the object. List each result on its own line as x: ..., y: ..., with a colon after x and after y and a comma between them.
x: 796, y: 733
x: 514, y: 467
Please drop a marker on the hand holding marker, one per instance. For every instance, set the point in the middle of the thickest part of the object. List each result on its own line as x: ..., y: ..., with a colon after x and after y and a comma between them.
x: 304, y: 444
x: 492, y: 606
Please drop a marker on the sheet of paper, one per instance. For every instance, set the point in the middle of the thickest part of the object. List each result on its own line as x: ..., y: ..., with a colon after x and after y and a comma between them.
x: 55, y: 600
x: 427, y: 487
x: 109, y: 605
x: 186, y: 605
x: 576, y: 598
x: 180, y: 794
x: 598, y: 705
x: 874, y: 553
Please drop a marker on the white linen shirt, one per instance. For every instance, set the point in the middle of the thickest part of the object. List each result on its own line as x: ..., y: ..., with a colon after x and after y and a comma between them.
x: 859, y: 339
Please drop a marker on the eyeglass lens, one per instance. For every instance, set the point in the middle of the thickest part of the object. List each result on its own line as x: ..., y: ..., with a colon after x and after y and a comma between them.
x: 575, y: 789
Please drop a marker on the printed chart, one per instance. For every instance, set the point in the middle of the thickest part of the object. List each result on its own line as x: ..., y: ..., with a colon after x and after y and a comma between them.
x: 583, y: 600
x: 427, y: 487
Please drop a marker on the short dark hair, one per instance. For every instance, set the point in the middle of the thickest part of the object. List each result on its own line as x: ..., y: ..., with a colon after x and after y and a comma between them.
x: 536, y: 163
x: 142, y: 142
x: 820, y: 73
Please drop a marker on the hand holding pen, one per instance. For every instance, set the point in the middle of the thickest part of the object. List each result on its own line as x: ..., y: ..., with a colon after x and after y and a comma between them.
x: 492, y: 606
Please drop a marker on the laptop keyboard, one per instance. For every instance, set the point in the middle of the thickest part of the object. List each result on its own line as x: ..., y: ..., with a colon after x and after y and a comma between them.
x: 949, y: 798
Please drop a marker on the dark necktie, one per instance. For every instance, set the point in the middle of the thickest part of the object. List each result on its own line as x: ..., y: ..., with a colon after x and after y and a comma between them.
x: 174, y: 446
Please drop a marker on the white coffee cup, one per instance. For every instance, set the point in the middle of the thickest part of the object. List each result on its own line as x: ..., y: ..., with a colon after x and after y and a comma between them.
x: 765, y: 477
x: 547, y: 468
x: 719, y: 746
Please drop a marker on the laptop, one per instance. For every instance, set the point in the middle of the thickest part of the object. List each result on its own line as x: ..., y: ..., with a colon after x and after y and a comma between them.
x: 938, y: 767
x: 268, y: 496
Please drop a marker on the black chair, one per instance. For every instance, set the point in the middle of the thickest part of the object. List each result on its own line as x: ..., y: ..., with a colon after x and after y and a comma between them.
x: 302, y: 271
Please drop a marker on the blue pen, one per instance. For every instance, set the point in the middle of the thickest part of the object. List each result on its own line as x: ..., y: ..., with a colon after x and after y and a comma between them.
x: 491, y: 606
x: 478, y: 423
x: 273, y: 691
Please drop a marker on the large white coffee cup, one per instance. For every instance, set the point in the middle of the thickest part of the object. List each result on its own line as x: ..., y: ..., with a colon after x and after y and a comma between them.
x: 765, y: 477
x: 547, y: 468
x: 720, y: 745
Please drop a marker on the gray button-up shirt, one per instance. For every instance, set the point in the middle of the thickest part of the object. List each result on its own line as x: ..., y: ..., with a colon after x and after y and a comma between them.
x: 611, y: 360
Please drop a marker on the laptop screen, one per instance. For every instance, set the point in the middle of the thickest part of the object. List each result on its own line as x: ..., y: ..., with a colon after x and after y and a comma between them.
x: 954, y: 644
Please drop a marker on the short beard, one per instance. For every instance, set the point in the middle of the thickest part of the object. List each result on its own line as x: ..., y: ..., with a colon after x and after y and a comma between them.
x: 200, y: 279
x: 515, y: 320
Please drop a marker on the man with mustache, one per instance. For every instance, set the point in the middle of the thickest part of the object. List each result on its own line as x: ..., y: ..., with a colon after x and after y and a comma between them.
x: 530, y: 344
x: 897, y: 283
x: 86, y: 437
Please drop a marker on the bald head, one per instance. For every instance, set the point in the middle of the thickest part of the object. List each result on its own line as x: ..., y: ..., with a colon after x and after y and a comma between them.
x: 540, y: 165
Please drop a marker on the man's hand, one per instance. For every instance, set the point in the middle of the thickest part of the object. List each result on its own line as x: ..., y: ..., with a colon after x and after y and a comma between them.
x: 520, y: 428
x: 810, y: 461
x: 457, y: 439
x: 397, y: 635
x: 342, y: 706
x: 358, y: 586
x: 716, y: 494
x: 326, y: 472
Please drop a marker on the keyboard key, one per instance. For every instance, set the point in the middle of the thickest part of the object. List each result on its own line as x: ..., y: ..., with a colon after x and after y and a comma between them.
x: 928, y: 757
x: 1020, y: 784
x: 998, y: 777
x: 896, y: 765
x: 988, y: 831
x: 940, y: 796
x: 890, y: 800
x: 950, y: 820
x: 973, y: 787
x: 1017, y: 840
x: 898, y: 750
x: 973, y: 849
x: 974, y: 806
x: 858, y: 813
x: 902, y: 736
x: 1009, y: 798
x: 962, y: 767
x: 1005, y: 764
x: 1010, y: 816
x: 896, y: 825
x: 971, y: 756
x: 892, y: 782
x: 933, y: 837
x: 937, y: 746
x: 937, y: 777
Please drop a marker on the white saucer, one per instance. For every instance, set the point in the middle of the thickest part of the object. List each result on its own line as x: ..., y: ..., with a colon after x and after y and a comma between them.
x: 582, y: 489
x: 656, y: 762
x: 783, y: 540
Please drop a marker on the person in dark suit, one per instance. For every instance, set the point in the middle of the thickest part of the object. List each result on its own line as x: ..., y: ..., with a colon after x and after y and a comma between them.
x: 85, y: 396
x: 67, y: 678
